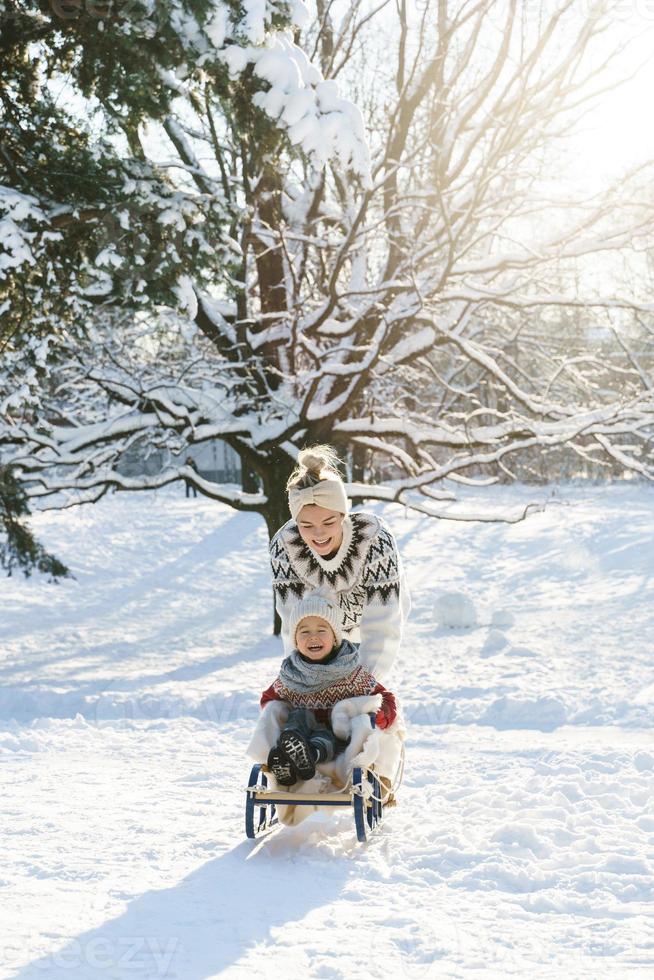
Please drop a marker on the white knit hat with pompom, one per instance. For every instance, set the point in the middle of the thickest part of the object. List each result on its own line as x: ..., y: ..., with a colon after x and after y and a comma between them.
x: 316, y: 605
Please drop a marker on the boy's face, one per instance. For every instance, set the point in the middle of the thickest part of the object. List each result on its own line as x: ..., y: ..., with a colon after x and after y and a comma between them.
x: 314, y: 638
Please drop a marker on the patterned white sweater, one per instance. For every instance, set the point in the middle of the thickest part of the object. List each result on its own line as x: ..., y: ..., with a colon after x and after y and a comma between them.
x: 364, y: 579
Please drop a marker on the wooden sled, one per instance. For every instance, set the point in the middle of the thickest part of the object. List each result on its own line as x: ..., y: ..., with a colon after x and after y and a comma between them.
x: 367, y: 793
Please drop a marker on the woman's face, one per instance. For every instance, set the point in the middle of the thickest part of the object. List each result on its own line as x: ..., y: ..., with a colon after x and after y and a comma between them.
x: 321, y: 529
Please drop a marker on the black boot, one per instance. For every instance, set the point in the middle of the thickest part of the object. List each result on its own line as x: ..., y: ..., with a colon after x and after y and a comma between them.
x: 322, y: 750
x: 297, y: 749
x: 281, y: 767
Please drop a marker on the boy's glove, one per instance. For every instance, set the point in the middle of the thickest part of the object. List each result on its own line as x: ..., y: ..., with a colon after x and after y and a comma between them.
x: 384, y: 717
x: 388, y: 710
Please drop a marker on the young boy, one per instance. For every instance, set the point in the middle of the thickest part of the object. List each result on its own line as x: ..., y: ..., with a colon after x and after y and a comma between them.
x: 322, y: 670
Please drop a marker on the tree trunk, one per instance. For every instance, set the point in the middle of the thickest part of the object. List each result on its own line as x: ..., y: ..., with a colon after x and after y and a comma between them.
x: 249, y: 482
x: 359, y: 471
x: 276, y: 511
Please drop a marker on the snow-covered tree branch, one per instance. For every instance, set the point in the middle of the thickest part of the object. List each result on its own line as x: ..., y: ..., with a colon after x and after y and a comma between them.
x: 385, y: 262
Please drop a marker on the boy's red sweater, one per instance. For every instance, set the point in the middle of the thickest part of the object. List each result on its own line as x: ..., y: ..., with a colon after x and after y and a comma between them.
x: 384, y: 717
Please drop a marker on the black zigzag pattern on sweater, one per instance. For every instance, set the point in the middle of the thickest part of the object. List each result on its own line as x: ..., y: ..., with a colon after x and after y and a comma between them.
x: 285, y: 580
x: 296, y: 588
x: 351, y: 605
x: 368, y: 573
x: 341, y: 577
x: 381, y: 579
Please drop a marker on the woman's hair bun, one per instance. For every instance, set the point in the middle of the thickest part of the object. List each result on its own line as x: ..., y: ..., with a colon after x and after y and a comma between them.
x: 313, y: 464
x: 312, y: 461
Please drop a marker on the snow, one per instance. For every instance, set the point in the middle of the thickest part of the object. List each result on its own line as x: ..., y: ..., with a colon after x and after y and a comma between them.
x: 523, y: 839
x: 324, y: 124
x: 254, y: 22
x: 455, y: 610
x: 186, y: 296
x: 17, y: 209
x: 216, y: 26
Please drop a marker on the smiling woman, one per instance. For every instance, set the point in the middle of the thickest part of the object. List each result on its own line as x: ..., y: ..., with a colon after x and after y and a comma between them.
x: 321, y: 528
x: 351, y: 559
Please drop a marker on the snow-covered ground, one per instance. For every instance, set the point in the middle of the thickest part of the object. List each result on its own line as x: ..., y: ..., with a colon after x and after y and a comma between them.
x: 523, y: 844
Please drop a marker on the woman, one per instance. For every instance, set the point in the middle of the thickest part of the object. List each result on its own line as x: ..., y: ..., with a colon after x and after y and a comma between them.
x: 351, y: 559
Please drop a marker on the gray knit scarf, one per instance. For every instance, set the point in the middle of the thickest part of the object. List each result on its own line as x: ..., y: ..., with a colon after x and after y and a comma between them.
x: 309, y: 678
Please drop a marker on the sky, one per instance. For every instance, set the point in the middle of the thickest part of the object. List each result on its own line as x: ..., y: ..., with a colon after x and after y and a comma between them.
x: 618, y: 133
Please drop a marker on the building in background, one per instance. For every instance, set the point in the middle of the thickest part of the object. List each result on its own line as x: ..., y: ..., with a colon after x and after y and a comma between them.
x: 215, y: 460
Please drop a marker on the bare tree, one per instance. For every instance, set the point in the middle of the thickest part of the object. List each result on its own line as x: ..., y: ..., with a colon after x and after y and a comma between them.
x: 383, y: 309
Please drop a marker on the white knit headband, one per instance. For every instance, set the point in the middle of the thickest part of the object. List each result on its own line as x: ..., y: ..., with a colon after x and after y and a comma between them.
x: 327, y: 493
